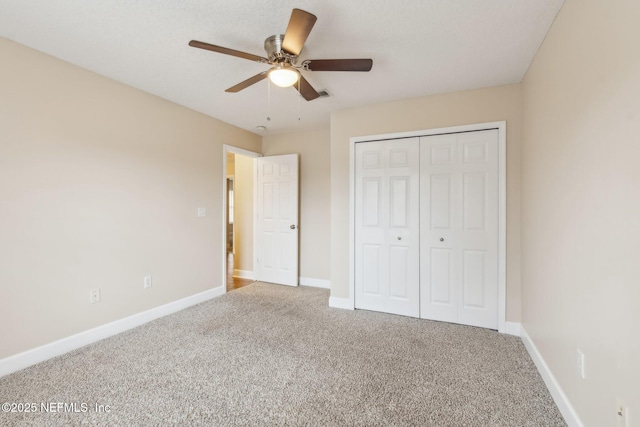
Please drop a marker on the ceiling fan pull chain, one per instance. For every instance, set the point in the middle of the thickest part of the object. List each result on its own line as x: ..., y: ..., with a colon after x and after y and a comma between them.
x: 268, y: 100
x: 299, y: 96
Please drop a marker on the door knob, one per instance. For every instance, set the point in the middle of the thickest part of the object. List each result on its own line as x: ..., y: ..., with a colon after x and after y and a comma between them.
x: 399, y: 238
x: 293, y: 227
x: 442, y: 239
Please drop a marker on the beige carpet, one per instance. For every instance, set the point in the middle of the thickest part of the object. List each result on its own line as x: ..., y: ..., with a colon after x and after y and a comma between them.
x: 274, y: 355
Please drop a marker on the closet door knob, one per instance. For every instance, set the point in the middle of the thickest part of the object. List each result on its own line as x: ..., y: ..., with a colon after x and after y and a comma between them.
x: 293, y: 227
x: 442, y: 239
x: 399, y: 238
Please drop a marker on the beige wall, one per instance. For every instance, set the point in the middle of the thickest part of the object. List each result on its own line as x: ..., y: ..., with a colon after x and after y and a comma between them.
x: 243, y: 215
x: 99, y: 186
x: 315, y: 200
x: 477, y: 106
x: 581, y: 205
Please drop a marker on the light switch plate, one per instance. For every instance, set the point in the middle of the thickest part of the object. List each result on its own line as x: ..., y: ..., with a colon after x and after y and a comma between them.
x: 94, y: 296
x: 621, y: 412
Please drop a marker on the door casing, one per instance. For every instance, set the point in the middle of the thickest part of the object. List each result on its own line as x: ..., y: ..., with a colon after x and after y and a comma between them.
x: 230, y: 149
x: 501, y: 126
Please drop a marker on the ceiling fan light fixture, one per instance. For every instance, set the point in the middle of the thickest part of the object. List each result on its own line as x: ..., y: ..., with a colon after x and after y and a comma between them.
x: 284, y: 76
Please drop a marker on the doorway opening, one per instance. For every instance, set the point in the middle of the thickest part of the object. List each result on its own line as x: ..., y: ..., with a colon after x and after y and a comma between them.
x: 238, y: 217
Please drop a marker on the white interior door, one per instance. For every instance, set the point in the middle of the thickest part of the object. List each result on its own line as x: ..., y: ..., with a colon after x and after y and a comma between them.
x: 387, y: 226
x: 459, y: 228
x: 277, y: 220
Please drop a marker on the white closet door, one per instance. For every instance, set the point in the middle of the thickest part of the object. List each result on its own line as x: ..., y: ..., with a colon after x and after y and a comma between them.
x: 459, y: 228
x: 387, y: 226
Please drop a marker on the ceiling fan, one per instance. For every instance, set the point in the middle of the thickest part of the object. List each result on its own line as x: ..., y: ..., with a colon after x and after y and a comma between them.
x: 282, y: 53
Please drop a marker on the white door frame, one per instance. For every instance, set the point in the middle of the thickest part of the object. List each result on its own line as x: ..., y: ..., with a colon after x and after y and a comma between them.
x: 502, y: 202
x: 235, y: 150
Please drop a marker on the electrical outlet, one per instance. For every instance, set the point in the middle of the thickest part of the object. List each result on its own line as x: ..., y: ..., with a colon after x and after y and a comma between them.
x: 202, y: 212
x: 621, y: 414
x: 148, y: 281
x: 580, y: 363
x: 94, y: 296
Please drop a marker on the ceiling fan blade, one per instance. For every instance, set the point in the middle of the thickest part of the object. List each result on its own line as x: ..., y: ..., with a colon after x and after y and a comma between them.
x: 227, y: 51
x: 251, y: 80
x: 300, y: 25
x: 338, y: 64
x: 306, y: 90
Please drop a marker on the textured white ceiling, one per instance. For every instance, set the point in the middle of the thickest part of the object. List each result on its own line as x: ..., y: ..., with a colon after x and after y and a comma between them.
x: 418, y: 47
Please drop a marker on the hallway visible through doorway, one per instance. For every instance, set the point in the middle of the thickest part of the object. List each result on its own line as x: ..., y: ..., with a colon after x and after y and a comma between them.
x: 234, y: 282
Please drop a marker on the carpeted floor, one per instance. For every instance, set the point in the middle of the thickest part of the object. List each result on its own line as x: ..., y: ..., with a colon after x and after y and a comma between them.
x: 273, y: 355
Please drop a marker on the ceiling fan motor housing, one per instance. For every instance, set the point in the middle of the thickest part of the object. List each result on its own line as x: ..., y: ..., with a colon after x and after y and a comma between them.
x: 273, y: 47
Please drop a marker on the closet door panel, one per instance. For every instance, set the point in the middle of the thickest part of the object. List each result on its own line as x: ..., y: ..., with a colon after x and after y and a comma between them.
x: 387, y: 226
x: 372, y: 267
x: 438, y: 217
x: 403, y: 230
x: 478, y: 304
x: 459, y: 218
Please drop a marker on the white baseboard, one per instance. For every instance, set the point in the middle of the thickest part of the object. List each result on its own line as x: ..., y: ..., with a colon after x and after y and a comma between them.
x: 344, y: 303
x: 561, y: 399
x: 512, y: 328
x: 25, y: 359
x: 316, y: 283
x: 243, y: 274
